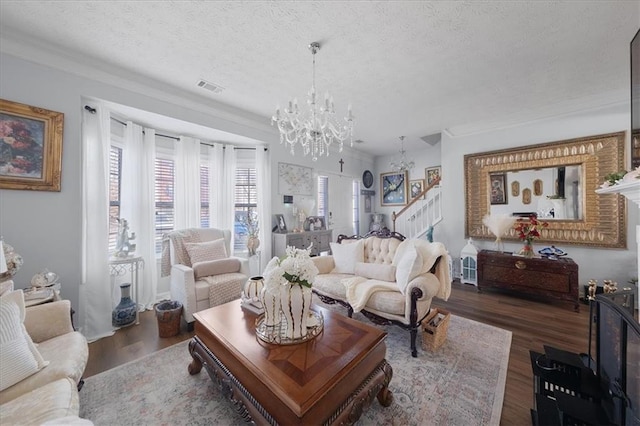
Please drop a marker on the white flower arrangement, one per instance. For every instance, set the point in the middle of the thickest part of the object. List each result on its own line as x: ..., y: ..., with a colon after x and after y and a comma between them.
x: 295, y: 267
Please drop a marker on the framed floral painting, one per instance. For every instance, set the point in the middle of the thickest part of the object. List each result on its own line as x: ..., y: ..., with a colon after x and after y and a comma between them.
x: 30, y: 147
x: 416, y: 187
x: 395, y: 188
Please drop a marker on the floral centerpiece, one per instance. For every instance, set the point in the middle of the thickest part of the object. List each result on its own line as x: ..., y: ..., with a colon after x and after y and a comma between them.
x: 287, y: 291
x: 528, y: 231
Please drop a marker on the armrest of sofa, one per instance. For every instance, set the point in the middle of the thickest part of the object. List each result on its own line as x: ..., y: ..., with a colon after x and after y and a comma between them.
x: 325, y: 264
x: 183, y: 289
x: 49, y: 320
x: 427, y: 283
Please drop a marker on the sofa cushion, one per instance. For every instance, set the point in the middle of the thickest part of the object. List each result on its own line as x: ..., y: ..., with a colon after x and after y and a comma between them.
x: 51, y: 401
x: 67, y: 355
x: 409, y: 266
x: 205, y: 251
x: 380, y: 250
x: 376, y: 271
x: 346, y: 256
x: 19, y: 357
x: 216, y: 267
x: 331, y: 285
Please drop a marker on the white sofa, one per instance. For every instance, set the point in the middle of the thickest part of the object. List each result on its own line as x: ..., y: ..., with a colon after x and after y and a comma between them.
x: 203, y: 272
x: 51, y: 393
x: 389, y: 279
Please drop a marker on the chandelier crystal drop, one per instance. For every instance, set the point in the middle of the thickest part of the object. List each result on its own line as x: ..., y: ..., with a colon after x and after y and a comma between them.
x: 403, y: 165
x: 317, y: 128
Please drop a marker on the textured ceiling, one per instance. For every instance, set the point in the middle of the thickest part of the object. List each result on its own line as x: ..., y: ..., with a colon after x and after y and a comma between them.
x: 408, y: 67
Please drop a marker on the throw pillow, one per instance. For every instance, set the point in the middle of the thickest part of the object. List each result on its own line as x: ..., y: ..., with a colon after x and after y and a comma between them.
x: 376, y: 271
x: 19, y: 357
x: 205, y: 251
x: 216, y: 267
x: 345, y: 256
x: 409, y: 266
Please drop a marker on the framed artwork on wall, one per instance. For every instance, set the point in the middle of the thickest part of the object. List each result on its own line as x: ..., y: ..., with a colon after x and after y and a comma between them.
x: 431, y: 173
x: 30, y: 147
x: 497, y: 183
x: 294, y: 180
x: 395, y: 188
x: 416, y: 186
x: 367, y: 203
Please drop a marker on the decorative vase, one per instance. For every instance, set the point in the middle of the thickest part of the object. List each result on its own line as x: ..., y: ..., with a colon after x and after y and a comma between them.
x: 252, y: 288
x: 252, y: 244
x: 270, y: 298
x: 125, y: 312
x: 527, y: 249
x: 296, y: 303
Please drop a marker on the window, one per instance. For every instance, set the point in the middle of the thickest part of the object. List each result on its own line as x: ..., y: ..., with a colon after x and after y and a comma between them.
x: 323, y: 196
x: 205, y: 198
x: 115, y: 177
x: 356, y: 207
x: 245, y: 202
x: 164, y: 199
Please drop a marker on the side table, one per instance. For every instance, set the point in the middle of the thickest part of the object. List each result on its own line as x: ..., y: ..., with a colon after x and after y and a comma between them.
x: 120, y: 266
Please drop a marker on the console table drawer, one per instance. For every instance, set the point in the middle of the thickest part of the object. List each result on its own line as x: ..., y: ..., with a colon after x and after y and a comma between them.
x: 554, y: 279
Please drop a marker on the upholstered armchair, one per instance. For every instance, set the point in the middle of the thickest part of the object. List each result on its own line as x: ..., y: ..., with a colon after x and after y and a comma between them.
x: 203, y: 272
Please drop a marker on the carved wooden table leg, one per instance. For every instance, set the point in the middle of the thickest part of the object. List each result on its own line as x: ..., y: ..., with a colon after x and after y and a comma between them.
x: 196, y: 365
x: 385, y: 396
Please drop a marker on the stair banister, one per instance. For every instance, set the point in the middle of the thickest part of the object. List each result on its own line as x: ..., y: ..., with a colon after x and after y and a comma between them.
x: 395, y: 216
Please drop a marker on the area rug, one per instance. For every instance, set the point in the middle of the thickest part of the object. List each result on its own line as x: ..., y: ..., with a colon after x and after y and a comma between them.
x: 461, y: 383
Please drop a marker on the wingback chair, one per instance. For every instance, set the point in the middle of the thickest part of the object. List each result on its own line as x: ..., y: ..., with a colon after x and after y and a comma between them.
x: 203, y: 272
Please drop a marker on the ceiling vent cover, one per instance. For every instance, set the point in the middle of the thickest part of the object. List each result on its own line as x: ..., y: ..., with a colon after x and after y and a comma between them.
x: 210, y: 86
x: 433, y: 139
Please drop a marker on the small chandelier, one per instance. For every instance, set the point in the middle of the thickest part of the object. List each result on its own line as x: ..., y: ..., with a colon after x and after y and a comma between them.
x: 403, y: 165
x: 316, y: 129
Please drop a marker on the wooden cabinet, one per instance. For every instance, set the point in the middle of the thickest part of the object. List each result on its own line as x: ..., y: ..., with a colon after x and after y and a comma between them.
x: 552, y: 279
x: 302, y: 240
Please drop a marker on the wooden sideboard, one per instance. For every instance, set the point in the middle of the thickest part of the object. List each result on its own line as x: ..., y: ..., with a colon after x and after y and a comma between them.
x: 302, y: 240
x: 552, y: 279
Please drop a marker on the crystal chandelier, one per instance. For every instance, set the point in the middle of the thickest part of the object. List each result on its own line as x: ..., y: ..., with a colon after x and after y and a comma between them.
x: 403, y: 165
x: 317, y: 128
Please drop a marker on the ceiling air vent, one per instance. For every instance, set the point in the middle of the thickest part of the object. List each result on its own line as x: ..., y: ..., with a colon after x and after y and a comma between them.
x: 359, y: 141
x: 432, y: 139
x: 210, y: 86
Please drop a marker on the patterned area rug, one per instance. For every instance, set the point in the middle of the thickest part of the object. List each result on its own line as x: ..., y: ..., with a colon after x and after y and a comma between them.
x: 462, y: 383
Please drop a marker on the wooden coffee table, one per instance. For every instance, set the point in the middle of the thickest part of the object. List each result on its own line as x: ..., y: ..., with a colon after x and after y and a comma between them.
x: 330, y: 379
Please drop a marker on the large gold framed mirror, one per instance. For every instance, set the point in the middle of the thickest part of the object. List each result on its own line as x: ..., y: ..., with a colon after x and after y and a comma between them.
x: 565, y: 174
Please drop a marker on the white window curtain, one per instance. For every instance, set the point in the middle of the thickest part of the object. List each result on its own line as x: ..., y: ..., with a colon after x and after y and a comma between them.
x: 138, y: 204
x: 227, y: 216
x: 187, y: 189
x: 95, y: 292
x: 215, y: 156
x: 263, y: 190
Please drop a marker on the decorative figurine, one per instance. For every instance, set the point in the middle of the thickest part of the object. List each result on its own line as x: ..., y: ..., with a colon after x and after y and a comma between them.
x: 592, y: 290
x: 124, y: 247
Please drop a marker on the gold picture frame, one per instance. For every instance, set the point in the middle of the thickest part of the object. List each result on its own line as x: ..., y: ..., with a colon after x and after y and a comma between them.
x: 30, y: 147
x: 416, y: 186
x: 603, y: 223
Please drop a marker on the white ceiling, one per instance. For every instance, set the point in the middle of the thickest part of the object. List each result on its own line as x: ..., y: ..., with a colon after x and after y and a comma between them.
x: 409, y: 68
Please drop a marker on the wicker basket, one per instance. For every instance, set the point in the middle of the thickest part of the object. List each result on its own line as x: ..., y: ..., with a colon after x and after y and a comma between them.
x: 168, y: 314
x: 433, y: 336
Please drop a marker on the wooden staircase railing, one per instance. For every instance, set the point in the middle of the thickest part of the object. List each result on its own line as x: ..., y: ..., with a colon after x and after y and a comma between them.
x: 420, y: 207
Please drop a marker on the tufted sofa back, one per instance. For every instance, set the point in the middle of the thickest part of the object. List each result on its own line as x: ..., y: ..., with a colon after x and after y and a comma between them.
x: 380, y: 250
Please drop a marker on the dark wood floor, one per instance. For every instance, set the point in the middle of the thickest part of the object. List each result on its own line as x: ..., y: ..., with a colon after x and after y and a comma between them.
x: 533, y: 323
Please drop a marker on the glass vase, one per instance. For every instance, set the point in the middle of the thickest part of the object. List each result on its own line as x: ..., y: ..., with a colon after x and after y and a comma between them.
x: 527, y: 249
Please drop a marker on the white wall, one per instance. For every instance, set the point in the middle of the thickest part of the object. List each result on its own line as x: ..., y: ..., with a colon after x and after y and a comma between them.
x: 618, y: 265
